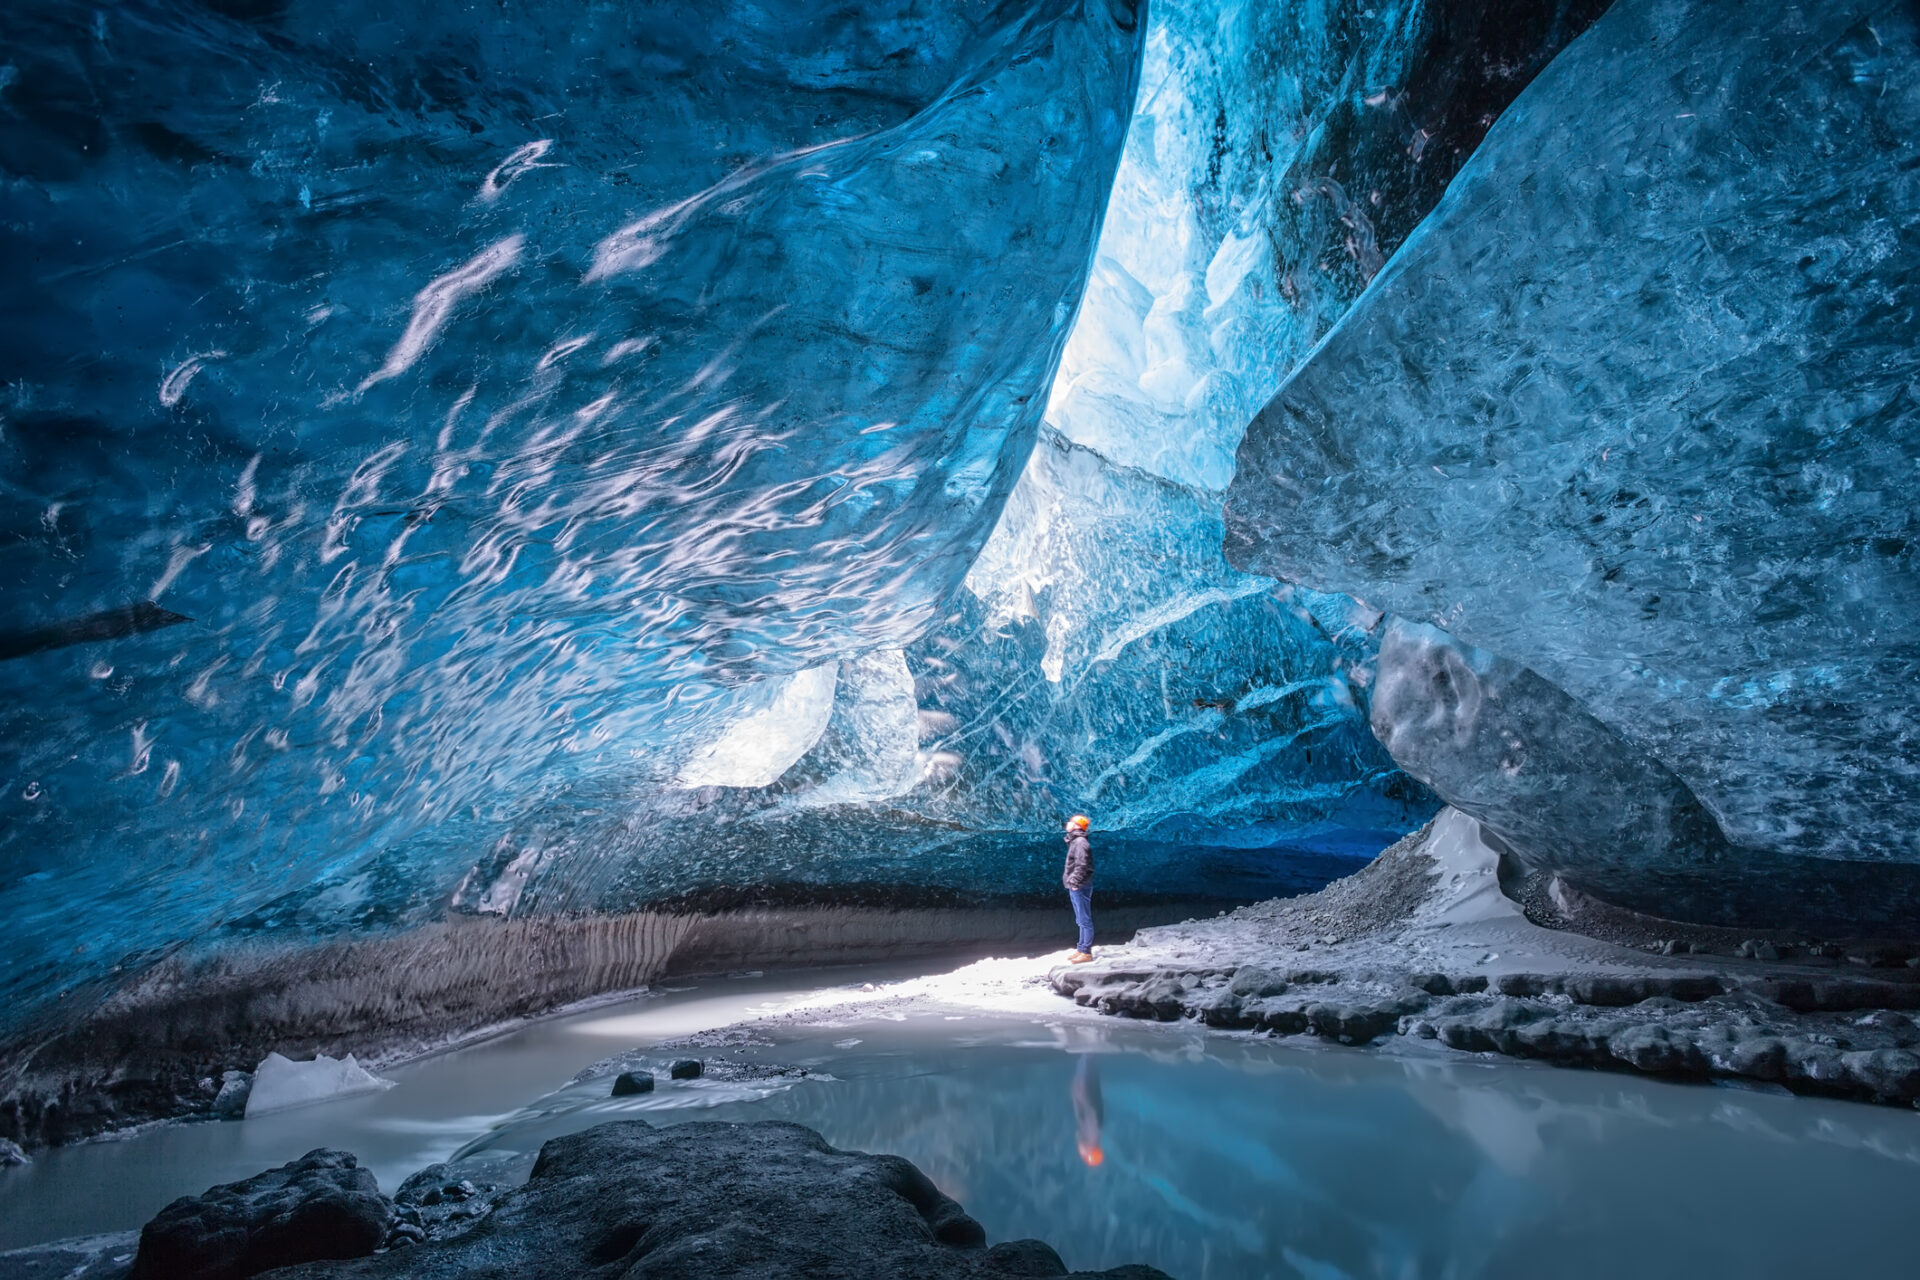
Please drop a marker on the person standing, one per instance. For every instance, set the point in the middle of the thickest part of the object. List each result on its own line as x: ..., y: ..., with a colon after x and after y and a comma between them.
x: 1078, y: 878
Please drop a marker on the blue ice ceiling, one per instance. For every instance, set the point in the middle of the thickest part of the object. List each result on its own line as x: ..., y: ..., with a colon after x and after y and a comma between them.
x: 498, y: 398
x: 562, y: 456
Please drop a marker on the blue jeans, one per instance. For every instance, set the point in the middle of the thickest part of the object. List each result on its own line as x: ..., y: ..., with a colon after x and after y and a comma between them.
x: 1083, y: 913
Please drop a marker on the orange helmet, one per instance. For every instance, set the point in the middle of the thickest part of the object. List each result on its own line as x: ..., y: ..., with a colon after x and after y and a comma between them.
x: 1079, y: 822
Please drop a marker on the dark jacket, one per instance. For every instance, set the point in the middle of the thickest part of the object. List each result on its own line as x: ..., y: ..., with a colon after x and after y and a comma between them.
x: 1079, y: 872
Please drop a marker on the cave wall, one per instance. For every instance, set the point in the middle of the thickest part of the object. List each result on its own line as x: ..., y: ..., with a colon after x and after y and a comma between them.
x: 560, y: 460
x: 1633, y: 410
x: 412, y: 416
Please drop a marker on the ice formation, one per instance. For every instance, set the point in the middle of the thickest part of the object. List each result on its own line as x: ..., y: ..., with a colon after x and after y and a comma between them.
x: 1101, y: 654
x: 1563, y: 793
x: 1105, y: 656
x: 1279, y: 154
x: 570, y: 458
x: 1515, y: 752
x: 280, y: 1083
x: 504, y: 401
x: 1633, y: 409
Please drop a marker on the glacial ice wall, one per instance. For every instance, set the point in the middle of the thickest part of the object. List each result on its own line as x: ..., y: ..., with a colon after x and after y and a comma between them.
x: 411, y: 416
x: 544, y: 459
x: 1634, y: 409
x: 1277, y: 154
x: 1280, y: 153
x: 1562, y: 792
x: 1102, y: 656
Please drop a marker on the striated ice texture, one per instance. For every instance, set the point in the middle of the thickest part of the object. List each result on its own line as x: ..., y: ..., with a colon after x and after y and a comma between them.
x: 412, y: 415
x: 1634, y: 409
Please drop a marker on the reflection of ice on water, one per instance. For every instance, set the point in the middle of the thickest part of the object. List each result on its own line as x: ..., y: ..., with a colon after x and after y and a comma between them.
x: 1223, y: 1156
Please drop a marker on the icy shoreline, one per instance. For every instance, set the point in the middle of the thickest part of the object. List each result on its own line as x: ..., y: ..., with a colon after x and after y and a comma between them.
x: 159, y: 1049
x: 1425, y: 944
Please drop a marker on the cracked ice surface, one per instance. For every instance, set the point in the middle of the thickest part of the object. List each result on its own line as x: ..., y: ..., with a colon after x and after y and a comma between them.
x: 495, y: 396
x: 1633, y: 408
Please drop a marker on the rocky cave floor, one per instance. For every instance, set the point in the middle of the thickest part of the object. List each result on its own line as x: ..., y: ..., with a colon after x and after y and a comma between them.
x: 1429, y: 948
x: 1433, y: 943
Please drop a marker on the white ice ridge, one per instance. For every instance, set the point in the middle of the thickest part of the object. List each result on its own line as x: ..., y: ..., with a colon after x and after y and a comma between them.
x: 434, y: 305
x: 280, y: 1082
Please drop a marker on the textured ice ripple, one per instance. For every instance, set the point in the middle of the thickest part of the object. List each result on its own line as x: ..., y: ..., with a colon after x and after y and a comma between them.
x: 494, y: 393
x: 1633, y: 409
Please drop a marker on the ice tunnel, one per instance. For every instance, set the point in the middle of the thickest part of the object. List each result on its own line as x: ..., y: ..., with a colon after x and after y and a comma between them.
x: 497, y: 497
x: 461, y: 414
x: 455, y: 471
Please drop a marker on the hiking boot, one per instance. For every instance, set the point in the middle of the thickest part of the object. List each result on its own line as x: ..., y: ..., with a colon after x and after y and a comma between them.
x: 1079, y: 957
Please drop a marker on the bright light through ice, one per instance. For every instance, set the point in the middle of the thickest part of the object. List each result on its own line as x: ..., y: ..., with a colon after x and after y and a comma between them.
x: 756, y: 750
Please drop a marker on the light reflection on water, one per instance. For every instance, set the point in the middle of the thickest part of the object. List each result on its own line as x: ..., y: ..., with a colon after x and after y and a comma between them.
x: 1227, y: 1157
x: 1218, y: 1156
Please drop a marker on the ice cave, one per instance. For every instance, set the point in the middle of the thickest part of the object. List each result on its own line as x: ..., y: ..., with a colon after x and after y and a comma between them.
x: 1216, y: 639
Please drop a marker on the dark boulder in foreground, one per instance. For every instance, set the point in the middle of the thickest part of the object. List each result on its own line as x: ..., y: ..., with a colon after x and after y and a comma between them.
x: 321, y: 1206
x: 717, y: 1200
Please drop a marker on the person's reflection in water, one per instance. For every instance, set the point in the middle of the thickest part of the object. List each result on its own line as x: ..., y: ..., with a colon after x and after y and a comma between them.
x: 1088, y: 1111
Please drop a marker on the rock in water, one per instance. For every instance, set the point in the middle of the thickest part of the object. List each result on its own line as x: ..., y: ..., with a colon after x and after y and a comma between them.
x: 236, y: 1088
x: 717, y: 1201
x: 448, y: 1199
x: 322, y: 1205
x: 83, y: 1258
x: 629, y: 1083
x: 686, y: 1069
x: 1633, y: 409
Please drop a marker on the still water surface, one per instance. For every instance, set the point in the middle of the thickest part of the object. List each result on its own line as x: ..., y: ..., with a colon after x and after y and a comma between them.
x: 1208, y: 1156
